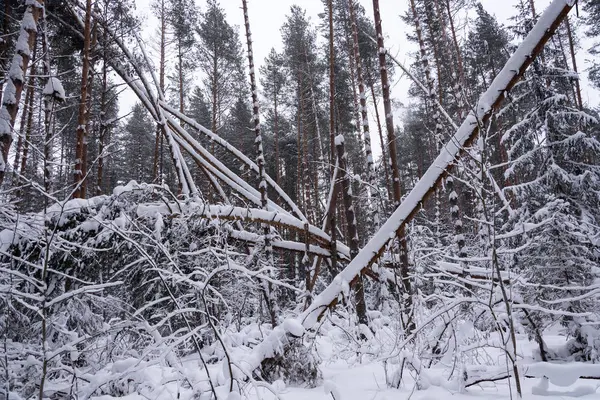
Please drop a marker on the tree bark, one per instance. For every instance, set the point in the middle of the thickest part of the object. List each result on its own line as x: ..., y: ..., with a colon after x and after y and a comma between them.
x: 81, y: 133
x: 365, y: 121
x: 156, y: 172
x: 16, y: 80
x: 29, y: 111
x: 103, y: 128
x: 351, y: 228
x: 260, y: 162
x: 23, y: 142
x: 391, y: 137
x: 574, y: 62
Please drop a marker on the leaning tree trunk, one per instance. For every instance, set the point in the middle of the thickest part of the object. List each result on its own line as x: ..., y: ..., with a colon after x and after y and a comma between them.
x: 16, y: 79
x: 81, y: 133
x: 391, y: 138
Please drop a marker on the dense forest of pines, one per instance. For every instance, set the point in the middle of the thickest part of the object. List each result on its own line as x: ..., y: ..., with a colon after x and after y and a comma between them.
x: 210, y: 242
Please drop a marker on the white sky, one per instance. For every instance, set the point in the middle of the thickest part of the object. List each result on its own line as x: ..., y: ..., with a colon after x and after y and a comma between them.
x: 267, y: 16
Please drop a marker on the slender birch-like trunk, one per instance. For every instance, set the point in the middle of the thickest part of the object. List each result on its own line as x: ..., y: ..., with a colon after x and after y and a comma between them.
x: 260, y: 162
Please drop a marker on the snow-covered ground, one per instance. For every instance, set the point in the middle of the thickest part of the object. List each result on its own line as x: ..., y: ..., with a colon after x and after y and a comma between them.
x: 354, y: 371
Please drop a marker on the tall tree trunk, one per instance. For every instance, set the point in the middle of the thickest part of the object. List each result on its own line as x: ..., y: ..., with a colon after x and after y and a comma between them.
x: 384, y: 156
x: 28, y: 110
x: 156, y: 171
x: 276, y: 140
x: 81, y: 133
x: 48, y: 110
x: 16, y: 80
x: 181, y: 78
x: 331, y: 214
x: 332, y: 132
x: 103, y: 128
x: 430, y: 100
x: 364, y: 121
x: 574, y: 62
x: 23, y: 141
x: 338, y: 152
x: 88, y: 105
x: 300, y: 122
x: 391, y: 138
x: 351, y: 228
x: 461, y: 70
x: 4, y: 45
x: 260, y: 162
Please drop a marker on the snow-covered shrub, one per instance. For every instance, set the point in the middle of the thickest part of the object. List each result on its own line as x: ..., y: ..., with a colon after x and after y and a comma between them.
x: 297, y: 365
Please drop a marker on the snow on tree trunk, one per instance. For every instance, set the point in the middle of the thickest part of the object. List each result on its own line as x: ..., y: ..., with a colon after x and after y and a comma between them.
x: 16, y: 78
x: 488, y: 102
x: 364, y: 119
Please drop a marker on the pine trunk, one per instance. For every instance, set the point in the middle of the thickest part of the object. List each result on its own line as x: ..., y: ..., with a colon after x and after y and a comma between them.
x: 81, y: 133
x: 391, y: 138
x: 156, y: 172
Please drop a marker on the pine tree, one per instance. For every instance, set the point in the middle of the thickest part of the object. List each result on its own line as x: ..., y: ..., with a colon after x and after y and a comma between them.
x: 219, y: 54
x: 182, y: 18
x: 273, y: 79
x: 592, y: 10
x: 136, y: 147
x: 553, y: 158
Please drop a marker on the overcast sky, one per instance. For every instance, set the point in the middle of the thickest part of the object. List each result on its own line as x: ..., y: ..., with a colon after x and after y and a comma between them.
x: 267, y: 16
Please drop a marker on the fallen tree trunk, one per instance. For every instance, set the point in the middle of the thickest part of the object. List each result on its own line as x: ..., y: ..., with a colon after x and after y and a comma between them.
x: 490, y: 101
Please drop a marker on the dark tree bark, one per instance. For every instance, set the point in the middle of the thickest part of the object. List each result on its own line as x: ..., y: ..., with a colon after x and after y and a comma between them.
x: 391, y: 138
